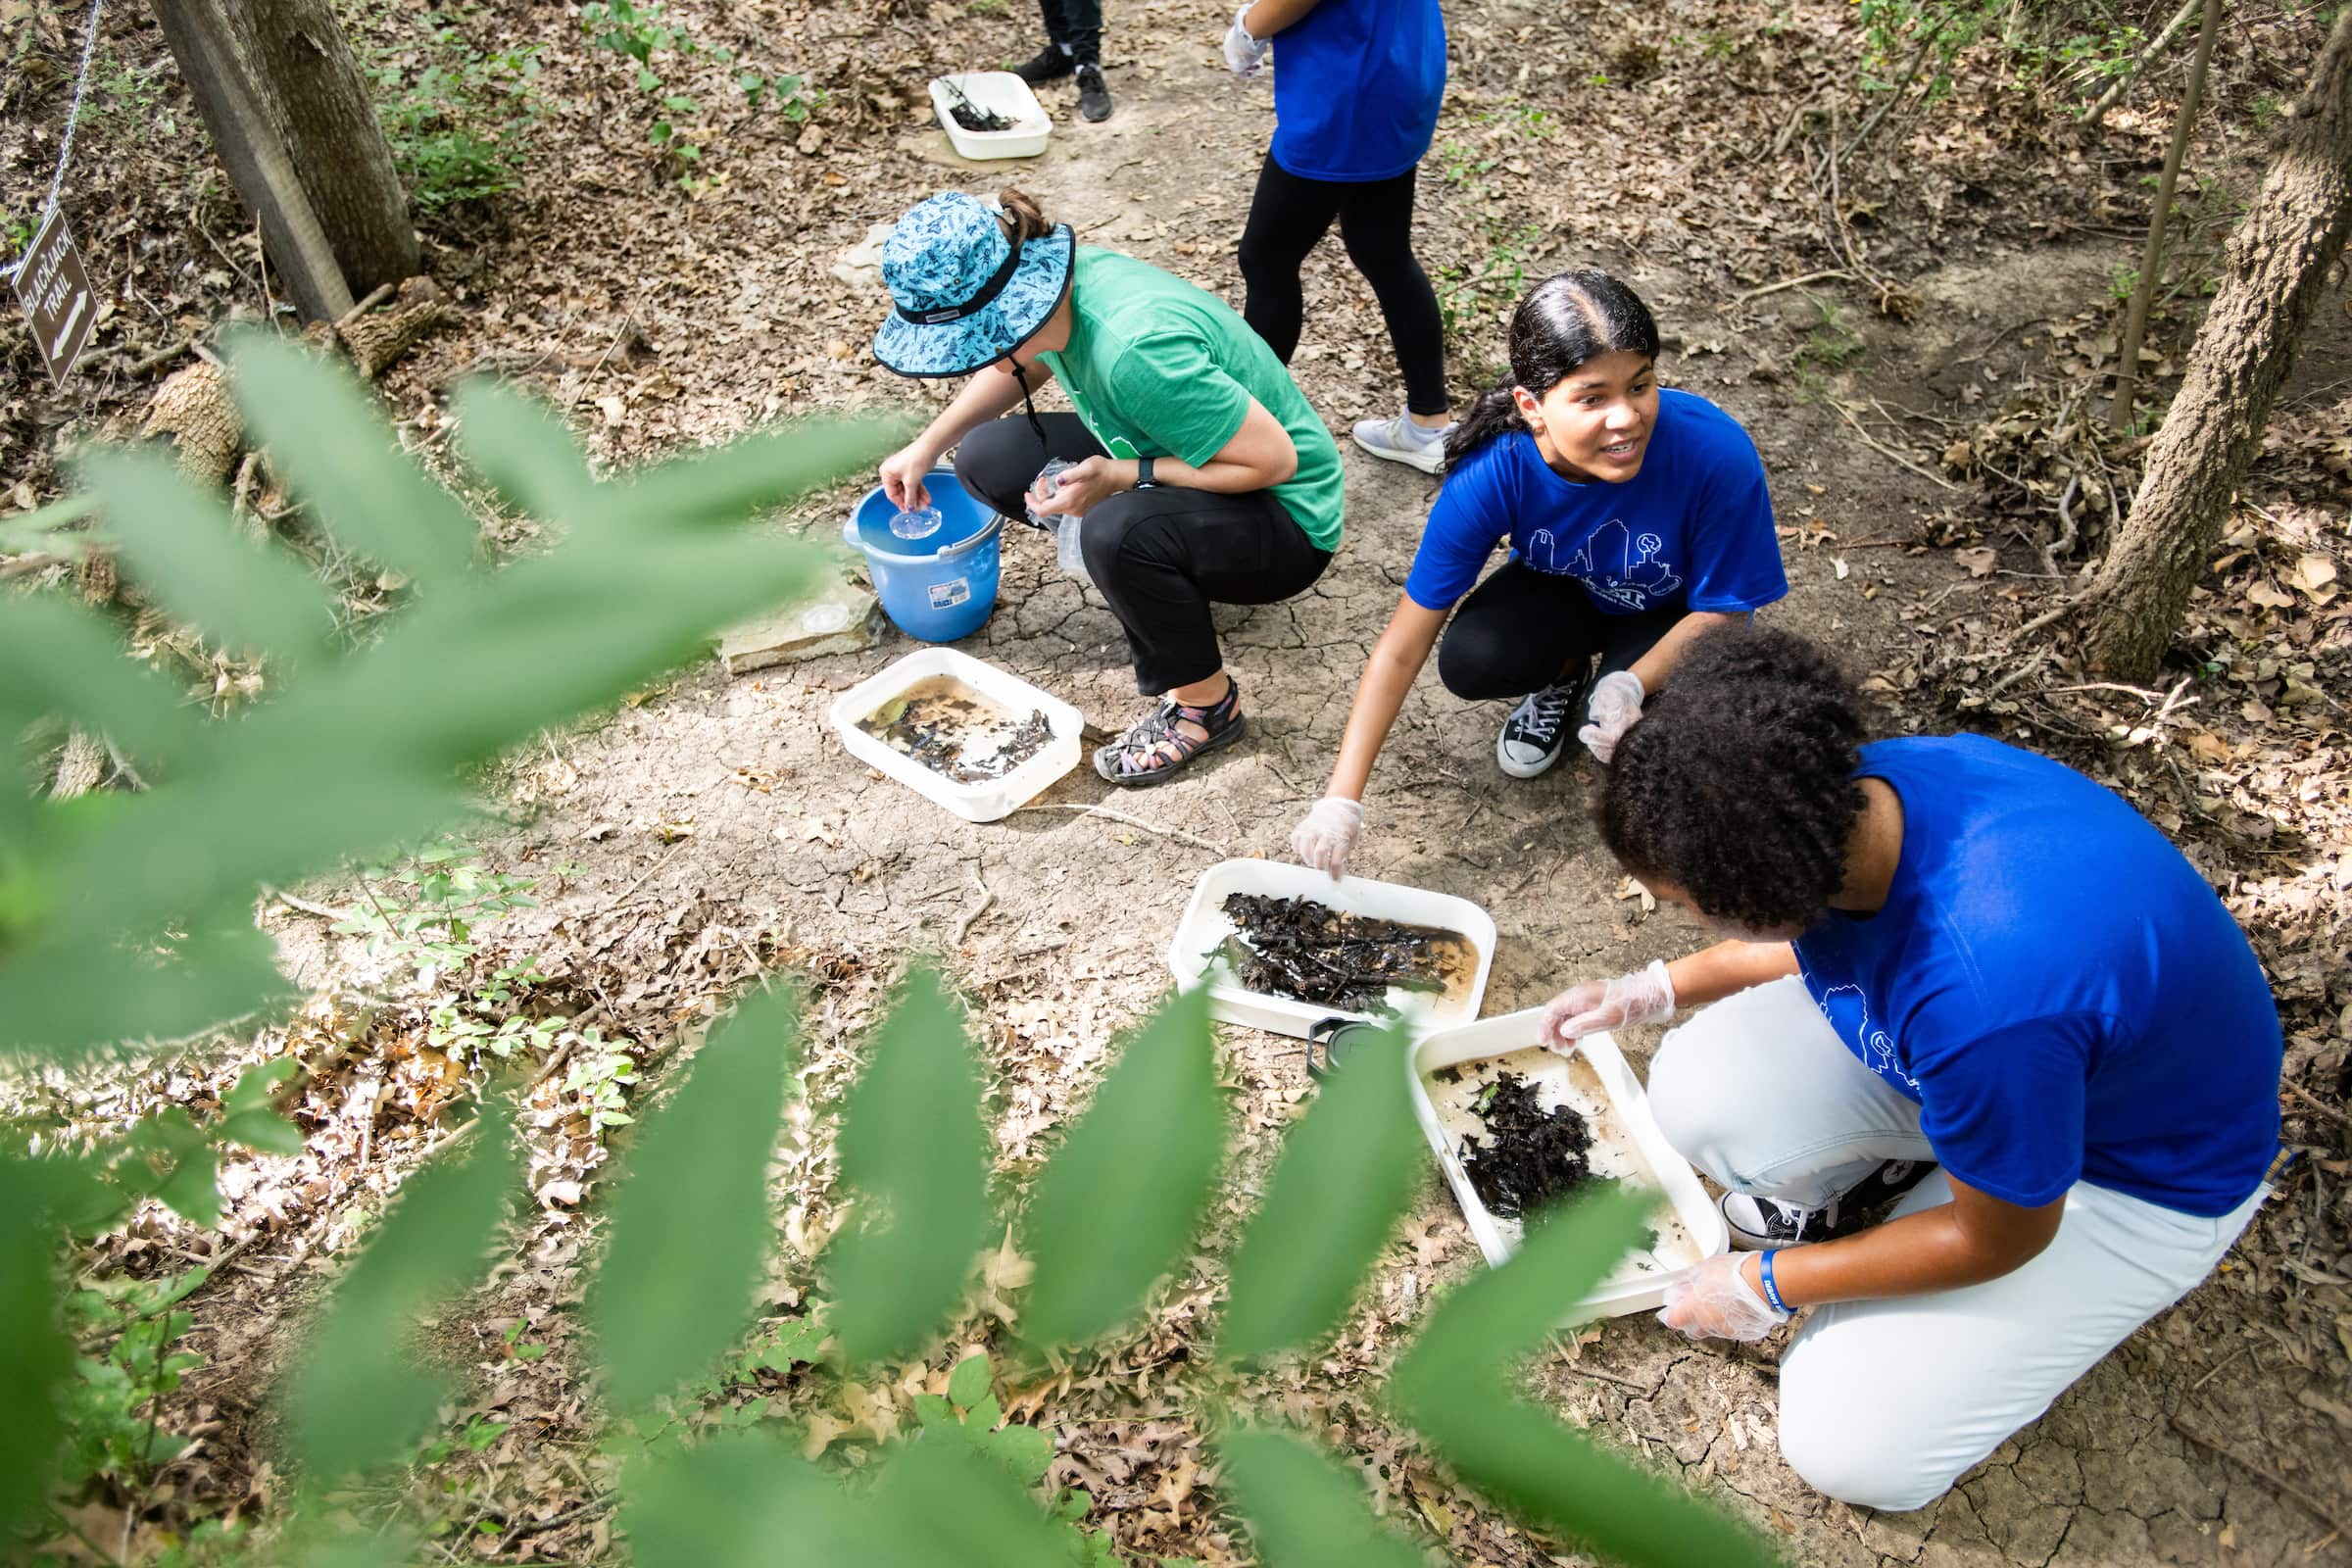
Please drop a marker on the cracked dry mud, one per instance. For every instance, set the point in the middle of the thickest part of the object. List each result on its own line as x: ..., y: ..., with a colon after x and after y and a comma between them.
x: 1083, y: 907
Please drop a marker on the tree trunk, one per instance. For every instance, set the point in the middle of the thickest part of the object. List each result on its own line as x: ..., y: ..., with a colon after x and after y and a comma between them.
x: 2276, y: 269
x: 257, y: 159
x: 314, y: 91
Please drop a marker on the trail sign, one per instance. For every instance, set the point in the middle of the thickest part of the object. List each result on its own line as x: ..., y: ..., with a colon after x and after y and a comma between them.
x: 55, y: 292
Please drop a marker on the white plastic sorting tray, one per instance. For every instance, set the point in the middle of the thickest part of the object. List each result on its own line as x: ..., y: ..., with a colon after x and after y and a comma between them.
x: 1626, y: 1145
x: 990, y: 799
x: 1204, y: 928
x: 1007, y: 95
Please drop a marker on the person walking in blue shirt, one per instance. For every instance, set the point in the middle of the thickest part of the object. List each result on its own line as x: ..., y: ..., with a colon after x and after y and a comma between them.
x: 1356, y: 89
x: 1963, y: 977
x: 1635, y: 518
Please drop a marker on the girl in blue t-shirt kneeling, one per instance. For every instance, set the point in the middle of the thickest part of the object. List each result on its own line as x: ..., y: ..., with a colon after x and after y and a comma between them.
x: 1634, y: 518
x: 1965, y: 981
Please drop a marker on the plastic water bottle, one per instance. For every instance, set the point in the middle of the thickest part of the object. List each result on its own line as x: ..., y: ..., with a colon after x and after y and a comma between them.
x: 921, y: 523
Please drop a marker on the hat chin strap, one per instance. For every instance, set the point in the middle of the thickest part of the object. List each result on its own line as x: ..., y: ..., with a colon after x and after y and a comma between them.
x: 1028, y: 402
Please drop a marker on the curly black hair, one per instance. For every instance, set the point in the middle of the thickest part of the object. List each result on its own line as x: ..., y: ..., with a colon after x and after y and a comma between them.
x: 1738, y: 782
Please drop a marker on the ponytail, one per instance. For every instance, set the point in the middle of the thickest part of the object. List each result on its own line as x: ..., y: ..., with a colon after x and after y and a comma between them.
x: 1023, y: 216
x: 1567, y: 320
x: 1495, y: 412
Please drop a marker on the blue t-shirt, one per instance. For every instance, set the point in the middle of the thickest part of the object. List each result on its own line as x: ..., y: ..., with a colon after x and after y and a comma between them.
x: 1356, y: 88
x: 2056, y: 986
x: 1691, y: 530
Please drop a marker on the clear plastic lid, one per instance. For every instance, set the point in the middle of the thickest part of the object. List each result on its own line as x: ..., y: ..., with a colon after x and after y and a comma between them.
x: 920, y: 523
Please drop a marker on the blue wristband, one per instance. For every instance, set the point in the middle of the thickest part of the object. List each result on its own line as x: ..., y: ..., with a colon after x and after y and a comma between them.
x: 1772, y: 1291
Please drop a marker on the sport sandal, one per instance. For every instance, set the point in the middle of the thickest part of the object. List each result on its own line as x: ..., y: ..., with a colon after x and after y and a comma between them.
x: 1154, y: 749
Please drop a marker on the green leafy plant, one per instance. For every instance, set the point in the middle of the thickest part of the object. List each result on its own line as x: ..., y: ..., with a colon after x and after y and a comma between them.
x: 460, y: 119
x: 1113, y: 1210
x: 599, y: 1080
x: 110, y: 932
x: 127, y: 917
x: 113, y: 1405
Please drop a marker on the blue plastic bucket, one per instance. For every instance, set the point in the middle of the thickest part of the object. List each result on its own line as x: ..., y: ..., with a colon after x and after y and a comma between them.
x: 936, y: 589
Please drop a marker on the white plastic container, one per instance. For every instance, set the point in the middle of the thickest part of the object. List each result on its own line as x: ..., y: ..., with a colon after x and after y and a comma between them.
x: 1004, y: 93
x: 1627, y: 1146
x: 1204, y: 928
x: 984, y: 801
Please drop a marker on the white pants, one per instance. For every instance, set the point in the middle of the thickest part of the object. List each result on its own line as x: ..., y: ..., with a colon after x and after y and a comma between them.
x: 1886, y: 1404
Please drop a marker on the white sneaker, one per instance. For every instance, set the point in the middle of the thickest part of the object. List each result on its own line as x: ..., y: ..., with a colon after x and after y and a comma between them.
x: 1400, y: 440
x: 1534, y: 735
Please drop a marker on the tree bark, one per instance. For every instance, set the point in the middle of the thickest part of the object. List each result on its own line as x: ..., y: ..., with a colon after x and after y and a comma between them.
x: 258, y: 163
x: 315, y: 93
x: 2277, y: 267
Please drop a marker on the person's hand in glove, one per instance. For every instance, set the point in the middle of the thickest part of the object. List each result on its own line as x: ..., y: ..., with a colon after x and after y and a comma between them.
x: 1715, y: 1301
x: 1615, y: 704
x: 1646, y: 995
x: 1326, y: 836
x: 1243, y: 53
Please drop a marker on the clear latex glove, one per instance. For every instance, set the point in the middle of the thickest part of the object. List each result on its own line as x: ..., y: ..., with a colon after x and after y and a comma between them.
x: 1326, y: 836
x: 1615, y: 704
x: 1646, y: 995
x: 1243, y: 53
x: 1715, y: 1301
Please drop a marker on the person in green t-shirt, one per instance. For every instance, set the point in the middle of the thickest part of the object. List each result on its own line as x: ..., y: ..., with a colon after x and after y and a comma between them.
x: 1198, y: 474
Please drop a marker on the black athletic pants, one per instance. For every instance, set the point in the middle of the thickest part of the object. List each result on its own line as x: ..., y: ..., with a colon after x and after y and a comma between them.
x: 1523, y: 629
x: 1076, y: 25
x: 1162, y: 557
x: 1290, y: 216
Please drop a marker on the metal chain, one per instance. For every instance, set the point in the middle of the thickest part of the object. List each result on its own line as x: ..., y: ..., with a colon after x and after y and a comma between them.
x: 65, y: 155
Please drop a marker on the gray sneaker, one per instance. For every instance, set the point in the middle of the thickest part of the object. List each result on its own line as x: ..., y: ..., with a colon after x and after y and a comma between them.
x: 1400, y: 440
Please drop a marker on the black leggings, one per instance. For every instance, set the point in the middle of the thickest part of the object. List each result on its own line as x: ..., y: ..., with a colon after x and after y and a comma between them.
x: 1290, y: 216
x: 1162, y: 557
x: 1077, y: 25
x: 1523, y: 629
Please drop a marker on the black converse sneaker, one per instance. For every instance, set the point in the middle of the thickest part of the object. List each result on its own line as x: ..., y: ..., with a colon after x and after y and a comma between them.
x: 1534, y: 735
x: 1758, y: 1223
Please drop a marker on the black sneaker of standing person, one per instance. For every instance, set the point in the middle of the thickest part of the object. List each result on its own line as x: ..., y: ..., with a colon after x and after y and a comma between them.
x: 1052, y: 63
x: 1093, y: 99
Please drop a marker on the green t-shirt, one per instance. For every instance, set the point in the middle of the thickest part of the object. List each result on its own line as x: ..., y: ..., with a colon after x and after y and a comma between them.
x: 1158, y: 369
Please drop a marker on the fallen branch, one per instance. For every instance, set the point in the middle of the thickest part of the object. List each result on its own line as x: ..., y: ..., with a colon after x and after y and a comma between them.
x: 2274, y: 1480
x: 161, y: 357
x: 1133, y: 821
x: 1887, y: 452
x: 305, y: 906
x: 2320, y: 1106
x: 971, y: 916
x: 2155, y: 46
x: 1785, y: 282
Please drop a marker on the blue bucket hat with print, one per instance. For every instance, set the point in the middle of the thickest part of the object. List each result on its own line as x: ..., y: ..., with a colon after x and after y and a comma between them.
x: 966, y: 295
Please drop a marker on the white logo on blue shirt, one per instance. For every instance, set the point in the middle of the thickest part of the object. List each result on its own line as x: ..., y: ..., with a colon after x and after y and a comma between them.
x: 1615, y: 564
x: 1878, y: 1045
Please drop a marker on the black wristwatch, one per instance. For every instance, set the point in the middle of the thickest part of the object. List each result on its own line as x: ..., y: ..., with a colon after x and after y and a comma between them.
x: 1143, y: 475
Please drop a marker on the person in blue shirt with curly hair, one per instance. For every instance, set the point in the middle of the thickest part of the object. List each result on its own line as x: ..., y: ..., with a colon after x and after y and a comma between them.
x: 1963, y: 988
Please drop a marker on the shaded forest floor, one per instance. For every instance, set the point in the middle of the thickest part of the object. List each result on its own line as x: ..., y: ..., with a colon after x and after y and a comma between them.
x: 1922, y: 413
